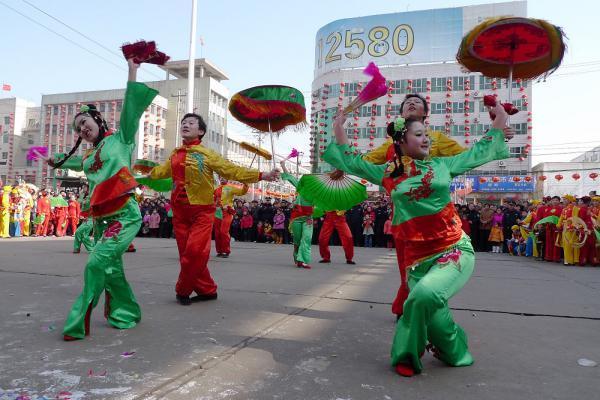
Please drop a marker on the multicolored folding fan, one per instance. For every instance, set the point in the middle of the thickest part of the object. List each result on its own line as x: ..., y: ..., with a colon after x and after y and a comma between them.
x: 158, y: 185
x: 374, y: 89
x: 269, y: 108
x: 552, y: 219
x: 142, y: 166
x: 35, y: 152
x: 331, y: 194
x: 317, y: 212
x: 58, y: 201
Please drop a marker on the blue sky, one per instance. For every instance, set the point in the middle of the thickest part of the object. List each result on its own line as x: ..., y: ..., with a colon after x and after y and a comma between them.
x: 267, y: 41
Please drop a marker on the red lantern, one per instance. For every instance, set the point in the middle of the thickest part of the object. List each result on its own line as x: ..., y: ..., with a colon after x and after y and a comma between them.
x: 516, y: 179
x: 482, y: 180
x: 558, y: 177
x: 495, y: 179
x: 543, y: 178
x: 491, y: 197
x: 593, y: 175
x: 576, y: 176
x: 527, y: 179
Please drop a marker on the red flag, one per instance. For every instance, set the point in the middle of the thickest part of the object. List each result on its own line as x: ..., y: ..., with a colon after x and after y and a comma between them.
x: 6, y: 87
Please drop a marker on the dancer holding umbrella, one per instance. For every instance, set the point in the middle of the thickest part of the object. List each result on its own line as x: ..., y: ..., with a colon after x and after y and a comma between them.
x: 438, y: 255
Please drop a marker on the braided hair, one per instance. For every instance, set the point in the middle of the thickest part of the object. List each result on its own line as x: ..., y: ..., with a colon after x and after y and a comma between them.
x: 91, y: 111
x: 397, y: 131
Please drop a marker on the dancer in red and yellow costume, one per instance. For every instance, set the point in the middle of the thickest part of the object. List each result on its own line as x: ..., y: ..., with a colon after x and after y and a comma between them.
x: 44, y: 214
x: 438, y: 255
x: 5, y: 211
x: 191, y: 166
x: 572, y: 228
x: 595, y: 214
x: 336, y: 220
x: 588, y: 254
x: 224, y: 195
x: 552, y: 250
x: 74, y: 213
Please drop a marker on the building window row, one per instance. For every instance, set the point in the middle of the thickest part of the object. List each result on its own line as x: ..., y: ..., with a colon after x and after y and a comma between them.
x: 419, y: 85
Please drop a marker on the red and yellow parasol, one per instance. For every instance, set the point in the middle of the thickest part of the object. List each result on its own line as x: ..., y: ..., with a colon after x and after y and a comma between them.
x: 512, y: 47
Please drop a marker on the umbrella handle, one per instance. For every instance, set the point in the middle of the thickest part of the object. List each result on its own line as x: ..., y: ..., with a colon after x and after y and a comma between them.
x: 272, y: 143
x: 510, y: 81
x: 252, y: 162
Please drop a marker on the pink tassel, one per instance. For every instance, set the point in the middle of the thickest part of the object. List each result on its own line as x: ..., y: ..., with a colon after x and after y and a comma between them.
x: 375, y: 88
x: 31, y: 155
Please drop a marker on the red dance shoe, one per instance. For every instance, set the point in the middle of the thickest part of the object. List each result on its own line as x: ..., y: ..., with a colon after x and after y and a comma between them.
x: 404, y: 370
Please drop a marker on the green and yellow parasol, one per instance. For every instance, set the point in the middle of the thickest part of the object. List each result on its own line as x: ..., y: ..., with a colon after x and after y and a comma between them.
x: 269, y: 108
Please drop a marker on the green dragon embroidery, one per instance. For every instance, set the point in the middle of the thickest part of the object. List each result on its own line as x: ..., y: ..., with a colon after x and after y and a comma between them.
x: 199, y: 160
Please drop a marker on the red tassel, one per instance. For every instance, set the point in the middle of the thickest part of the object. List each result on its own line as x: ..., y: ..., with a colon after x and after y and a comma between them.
x: 143, y: 51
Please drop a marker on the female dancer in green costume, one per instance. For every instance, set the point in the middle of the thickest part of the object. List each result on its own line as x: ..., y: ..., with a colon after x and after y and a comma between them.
x: 301, y: 223
x: 438, y: 255
x: 115, y: 213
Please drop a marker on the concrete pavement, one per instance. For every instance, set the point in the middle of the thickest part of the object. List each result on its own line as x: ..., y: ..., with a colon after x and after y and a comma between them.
x: 279, y: 332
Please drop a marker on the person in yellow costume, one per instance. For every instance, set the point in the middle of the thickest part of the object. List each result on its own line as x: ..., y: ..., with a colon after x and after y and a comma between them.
x: 5, y: 212
x: 527, y: 230
x: 191, y: 166
x: 595, y: 215
x: 415, y: 106
x: 569, y: 226
x: 224, y: 195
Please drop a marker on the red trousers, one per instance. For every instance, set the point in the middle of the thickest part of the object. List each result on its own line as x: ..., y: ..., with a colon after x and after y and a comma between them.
x: 73, y: 223
x: 193, y: 226
x: 551, y: 252
x: 222, y: 236
x: 588, y: 253
x: 59, y: 220
x: 398, y: 304
x: 335, y: 222
x: 42, y: 229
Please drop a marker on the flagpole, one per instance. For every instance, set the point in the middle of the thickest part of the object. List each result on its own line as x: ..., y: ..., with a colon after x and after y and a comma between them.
x: 191, y: 66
